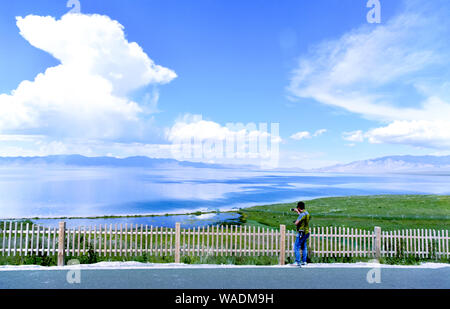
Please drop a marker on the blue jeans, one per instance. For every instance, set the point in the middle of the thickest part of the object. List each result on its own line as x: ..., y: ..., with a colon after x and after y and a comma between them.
x: 300, y: 243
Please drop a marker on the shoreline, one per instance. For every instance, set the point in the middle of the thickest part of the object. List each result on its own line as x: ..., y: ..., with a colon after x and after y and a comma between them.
x: 184, y: 212
x: 171, y: 214
x: 233, y: 209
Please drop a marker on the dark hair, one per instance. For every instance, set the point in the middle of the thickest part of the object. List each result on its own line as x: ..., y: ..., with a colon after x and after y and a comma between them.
x: 301, y: 205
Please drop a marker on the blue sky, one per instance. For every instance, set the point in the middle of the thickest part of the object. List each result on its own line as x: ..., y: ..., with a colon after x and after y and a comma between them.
x: 340, y: 88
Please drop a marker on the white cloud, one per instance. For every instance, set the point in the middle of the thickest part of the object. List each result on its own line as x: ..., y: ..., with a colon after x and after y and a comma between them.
x: 320, y: 132
x: 86, y: 95
x: 354, y: 136
x: 194, y: 127
x: 350, y: 72
x: 420, y: 133
x: 195, y: 139
x: 417, y: 133
x: 307, y: 135
x: 395, y: 71
x: 301, y: 135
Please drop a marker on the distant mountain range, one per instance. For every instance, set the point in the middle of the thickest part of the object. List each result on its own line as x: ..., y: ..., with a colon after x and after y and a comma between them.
x: 79, y: 160
x: 393, y: 164
x: 378, y: 165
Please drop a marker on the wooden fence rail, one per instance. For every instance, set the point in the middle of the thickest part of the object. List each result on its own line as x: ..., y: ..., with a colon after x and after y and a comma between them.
x: 134, y: 240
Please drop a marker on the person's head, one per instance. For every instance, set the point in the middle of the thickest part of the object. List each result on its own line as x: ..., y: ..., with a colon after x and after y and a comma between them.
x: 301, y: 206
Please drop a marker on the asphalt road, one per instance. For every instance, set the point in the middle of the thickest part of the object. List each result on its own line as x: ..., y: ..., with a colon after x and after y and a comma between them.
x: 229, y: 278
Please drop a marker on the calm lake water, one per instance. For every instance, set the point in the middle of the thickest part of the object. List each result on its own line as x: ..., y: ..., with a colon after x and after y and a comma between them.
x: 99, y: 191
x: 186, y: 221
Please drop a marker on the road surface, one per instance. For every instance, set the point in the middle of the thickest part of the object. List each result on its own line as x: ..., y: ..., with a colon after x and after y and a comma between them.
x: 229, y: 278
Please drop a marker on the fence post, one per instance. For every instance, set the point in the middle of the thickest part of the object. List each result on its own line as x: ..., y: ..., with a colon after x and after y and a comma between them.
x: 177, y: 242
x: 61, y: 242
x: 377, y: 252
x: 282, y: 244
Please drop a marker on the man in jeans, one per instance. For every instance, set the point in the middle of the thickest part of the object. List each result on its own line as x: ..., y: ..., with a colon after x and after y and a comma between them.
x: 302, y: 224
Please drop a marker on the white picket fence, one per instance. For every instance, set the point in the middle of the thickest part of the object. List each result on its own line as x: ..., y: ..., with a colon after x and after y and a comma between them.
x: 134, y: 240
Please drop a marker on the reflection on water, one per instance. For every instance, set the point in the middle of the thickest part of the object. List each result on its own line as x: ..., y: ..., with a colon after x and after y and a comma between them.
x: 103, y: 191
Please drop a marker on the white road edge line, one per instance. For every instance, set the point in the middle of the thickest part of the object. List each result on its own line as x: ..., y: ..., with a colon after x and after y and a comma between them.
x: 138, y: 265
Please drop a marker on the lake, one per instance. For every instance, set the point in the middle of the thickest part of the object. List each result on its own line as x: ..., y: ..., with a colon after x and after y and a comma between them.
x: 52, y: 191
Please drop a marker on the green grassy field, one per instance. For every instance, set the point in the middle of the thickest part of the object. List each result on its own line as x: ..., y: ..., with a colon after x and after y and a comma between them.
x: 390, y: 212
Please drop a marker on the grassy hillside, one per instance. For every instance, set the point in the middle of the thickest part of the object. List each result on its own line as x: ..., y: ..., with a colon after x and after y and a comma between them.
x: 387, y: 211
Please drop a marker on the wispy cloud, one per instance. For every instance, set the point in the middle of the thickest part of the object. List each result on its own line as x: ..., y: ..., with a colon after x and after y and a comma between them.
x: 397, y: 71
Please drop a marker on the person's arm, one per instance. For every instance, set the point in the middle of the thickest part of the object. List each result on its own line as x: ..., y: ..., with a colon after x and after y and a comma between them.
x: 299, y: 218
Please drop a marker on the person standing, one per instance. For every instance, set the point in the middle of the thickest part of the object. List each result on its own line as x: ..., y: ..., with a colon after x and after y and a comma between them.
x: 302, y: 224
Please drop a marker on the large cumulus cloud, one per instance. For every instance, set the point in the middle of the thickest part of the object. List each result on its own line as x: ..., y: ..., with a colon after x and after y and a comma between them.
x: 88, y: 94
